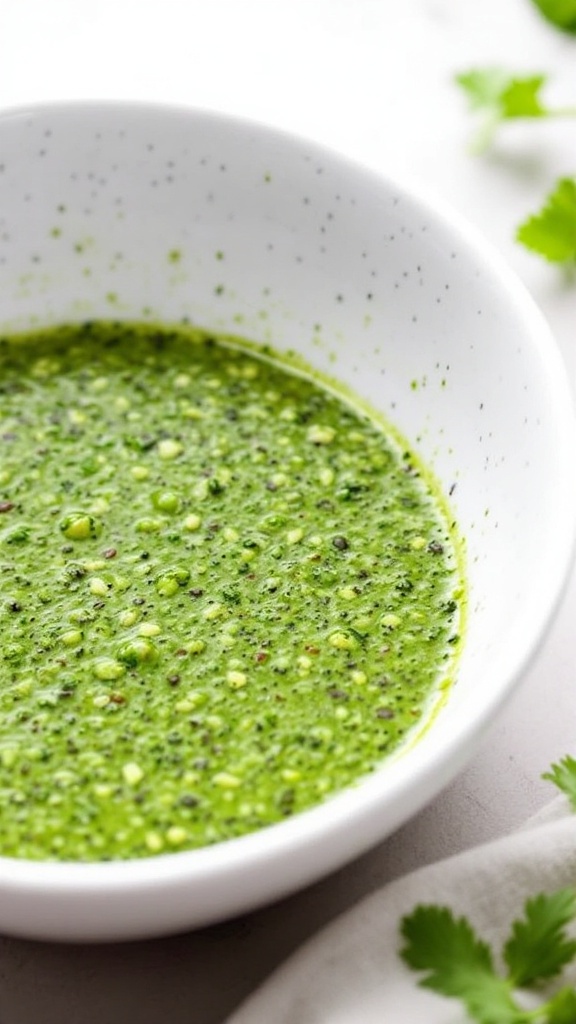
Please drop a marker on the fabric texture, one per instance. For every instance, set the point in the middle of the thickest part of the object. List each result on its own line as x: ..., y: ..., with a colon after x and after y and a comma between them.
x: 351, y: 972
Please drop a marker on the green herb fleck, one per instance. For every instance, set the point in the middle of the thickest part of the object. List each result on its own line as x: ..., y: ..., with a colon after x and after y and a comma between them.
x: 79, y: 526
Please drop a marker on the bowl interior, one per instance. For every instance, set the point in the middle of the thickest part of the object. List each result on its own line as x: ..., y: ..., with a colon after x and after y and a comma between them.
x: 144, y: 213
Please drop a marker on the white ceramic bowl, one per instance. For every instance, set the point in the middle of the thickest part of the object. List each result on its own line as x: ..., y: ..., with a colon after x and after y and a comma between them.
x: 369, y: 283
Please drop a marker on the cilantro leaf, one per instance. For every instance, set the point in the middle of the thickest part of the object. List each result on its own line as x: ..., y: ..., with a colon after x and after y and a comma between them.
x: 520, y: 97
x: 552, y: 231
x: 561, y: 1009
x: 457, y: 963
x: 483, y: 87
x: 563, y: 774
x: 538, y: 947
x: 562, y: 13
x: 499, y: 96
x: 496, y: 92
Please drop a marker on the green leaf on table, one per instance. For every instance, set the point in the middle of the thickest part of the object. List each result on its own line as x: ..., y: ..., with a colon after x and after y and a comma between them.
x: 552, y: 233
x: 538, y: 947
x: 563, y: 774
x: 562, y: 13
x: 457, y: 963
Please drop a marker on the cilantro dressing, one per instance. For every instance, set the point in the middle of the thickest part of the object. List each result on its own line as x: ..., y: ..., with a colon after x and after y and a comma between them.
x: 226, y: 593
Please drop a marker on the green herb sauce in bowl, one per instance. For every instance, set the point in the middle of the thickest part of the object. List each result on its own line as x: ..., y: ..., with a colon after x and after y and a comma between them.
x: 227, y: 593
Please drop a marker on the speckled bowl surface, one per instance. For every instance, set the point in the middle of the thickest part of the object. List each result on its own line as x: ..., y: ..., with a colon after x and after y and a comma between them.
x: 137, y: 212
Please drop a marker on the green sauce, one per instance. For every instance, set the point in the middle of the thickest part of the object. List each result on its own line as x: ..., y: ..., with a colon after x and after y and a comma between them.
x: 225, y: 592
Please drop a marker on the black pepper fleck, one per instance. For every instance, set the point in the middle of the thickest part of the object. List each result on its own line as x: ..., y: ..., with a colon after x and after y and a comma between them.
x: 340, y: 543
x: 435, y: 547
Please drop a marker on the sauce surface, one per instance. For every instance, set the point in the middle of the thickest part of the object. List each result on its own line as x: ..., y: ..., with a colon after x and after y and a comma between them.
x: 225, y: 593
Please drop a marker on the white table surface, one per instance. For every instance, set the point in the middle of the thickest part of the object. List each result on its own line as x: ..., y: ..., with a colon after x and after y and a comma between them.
x: 372, y: 78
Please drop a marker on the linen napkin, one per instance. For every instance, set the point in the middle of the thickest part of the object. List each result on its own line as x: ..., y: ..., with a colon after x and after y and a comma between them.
x: 351, y: 972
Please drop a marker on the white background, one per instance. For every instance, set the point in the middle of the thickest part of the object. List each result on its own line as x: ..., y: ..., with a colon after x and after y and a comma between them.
x: 373, y: 79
